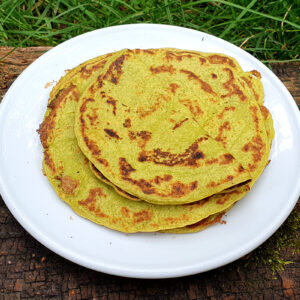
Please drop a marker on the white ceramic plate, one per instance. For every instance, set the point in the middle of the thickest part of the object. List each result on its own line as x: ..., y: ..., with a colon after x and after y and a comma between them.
x: 35, y: 205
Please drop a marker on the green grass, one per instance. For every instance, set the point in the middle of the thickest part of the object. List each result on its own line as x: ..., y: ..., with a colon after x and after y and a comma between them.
x: 267, y: 29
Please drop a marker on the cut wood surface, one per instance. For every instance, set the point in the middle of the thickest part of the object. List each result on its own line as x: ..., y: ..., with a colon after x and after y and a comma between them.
x: 28, y: 270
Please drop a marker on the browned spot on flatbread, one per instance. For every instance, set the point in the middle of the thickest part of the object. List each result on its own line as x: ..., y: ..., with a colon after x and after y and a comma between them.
x: 211, y: 161
x: 112, y: 102
x: 172, y: 220
x: 188, y: 158
x: 125, y: 212
x: 162, y: 69
x: 257, y: 148
x: 249, y: 83
x: 112, y: 133
x: 227, y: 108
x: 91, y: 202
x: 184, y: 54
x: 213, y: 184
x: 93, y: 117
x: 178, y: 189
x: 174, y: 87
x: 214, y: 76
x: 47, y: 127
x: 221, y: 60
x: 204, y: 85
x: 142, y: 216
x: 125, y: 167
x: 226, y: 159
x: 158, y: 180
x: 233, y: 88
x: 114, y: 71
x: 193, y: 107
x: 69, y: 185
x: 148, y: 51
x: 256, y: 73
x: 86, y: 71
x: 142, y: 137
x: 48, y: 160
x: 179, y: 123
x: 127, y: 123
x: 220, y: 138
x: 264, y: 111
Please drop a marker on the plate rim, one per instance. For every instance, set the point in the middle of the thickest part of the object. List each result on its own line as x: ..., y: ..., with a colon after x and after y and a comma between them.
x: 135, y: 273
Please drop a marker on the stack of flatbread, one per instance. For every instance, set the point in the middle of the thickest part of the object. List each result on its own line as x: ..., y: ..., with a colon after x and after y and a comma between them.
x: 156, y: 140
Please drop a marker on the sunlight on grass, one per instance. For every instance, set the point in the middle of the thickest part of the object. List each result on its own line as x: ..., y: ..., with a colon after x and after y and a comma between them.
x: 267, y: 29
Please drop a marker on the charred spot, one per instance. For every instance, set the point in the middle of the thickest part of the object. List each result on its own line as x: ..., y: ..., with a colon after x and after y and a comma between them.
x: 112, y: 102
x: 162, y: 69
x: 158, y: 180
x: 48, y: 161
x: 84, y: 104
x: 86, y: 72
x: 194, y: 185
x: 93, y: 118
x: 125, y: 167
x: 69, y: 185
x: 102, y: 161
x: 256, y: 73
x: 92, y: 146
x: 46, y: 128
x: 179, y: 123
x: 174, y: 87
x: 91, y: 202
x: 142, y: 157
x: 112, y: 133
x: 198, y: 155
x: 141, y: 216
x: 114, y: 71
x: 223, y: 199
x: 249, y: 83
x: 226, y: 159
x: 214, y: 76
x: 211, y: 161
x: 241, y: 169
x: 148, y: 51
x: 188, y: 158
x: 127, y: 123
x: 264, y: 111
x: 229, y: 177
x: 232, y: 88
x: 204, y: 85
x: 221, y: 60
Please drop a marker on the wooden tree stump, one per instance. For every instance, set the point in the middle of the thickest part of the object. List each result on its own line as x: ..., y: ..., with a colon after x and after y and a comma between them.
x: 28, y: 270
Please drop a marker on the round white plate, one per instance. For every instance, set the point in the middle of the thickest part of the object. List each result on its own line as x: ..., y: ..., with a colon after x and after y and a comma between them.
x: 36, y: 206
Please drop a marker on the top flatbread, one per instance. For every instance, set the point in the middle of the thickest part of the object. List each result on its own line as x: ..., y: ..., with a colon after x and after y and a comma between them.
x: 172, y: 127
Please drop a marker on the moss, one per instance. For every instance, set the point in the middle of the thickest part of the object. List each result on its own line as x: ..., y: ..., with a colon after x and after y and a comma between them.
x: 284, y: 240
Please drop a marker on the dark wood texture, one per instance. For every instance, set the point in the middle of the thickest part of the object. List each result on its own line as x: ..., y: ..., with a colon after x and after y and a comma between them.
x: 28, y: 270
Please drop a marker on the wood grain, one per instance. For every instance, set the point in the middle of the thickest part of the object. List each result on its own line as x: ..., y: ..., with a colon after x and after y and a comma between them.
x: 28, y: 270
